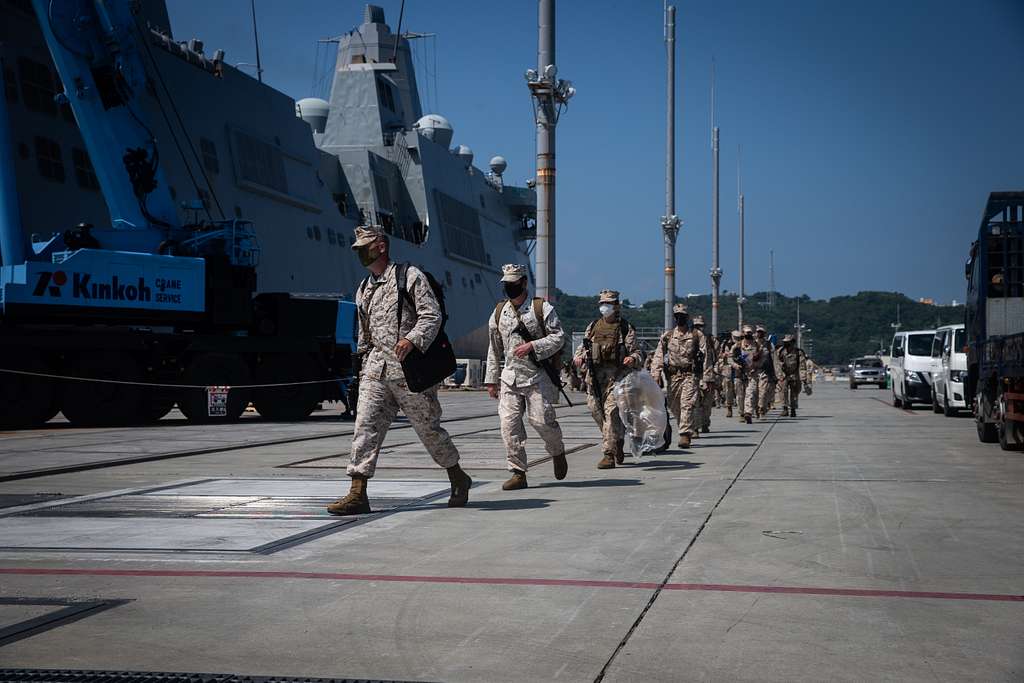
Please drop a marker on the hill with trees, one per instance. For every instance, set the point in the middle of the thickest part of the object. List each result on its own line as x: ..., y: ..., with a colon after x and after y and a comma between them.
x: 841, y: 328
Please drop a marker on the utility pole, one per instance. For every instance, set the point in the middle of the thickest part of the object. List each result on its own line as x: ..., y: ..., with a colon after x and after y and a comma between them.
x: 741, y: 299
x: 670, y: 222
x: 897, y: 325
x: 549, y: 96
x: 716, y: 272
x: 771, y: 279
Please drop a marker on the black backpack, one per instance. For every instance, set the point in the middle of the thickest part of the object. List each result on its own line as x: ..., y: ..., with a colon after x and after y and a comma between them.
x: 424, y: 369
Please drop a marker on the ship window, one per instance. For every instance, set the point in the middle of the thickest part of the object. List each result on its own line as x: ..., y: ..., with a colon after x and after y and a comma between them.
x: 476, y: 276
x: 483, y: 204
x: 10, y: 85
x: 309, y: 231
x: 37, y: 88
x: 49, y: 160
x: 260, y: 163
x: 461, y: 225
x: 210, y: 161
x: 330, y: 236
x: 65, y: 105
x: 387, y: 97
x: 85, y: 174
x: 342, y: 201
x: 358, y: 59
x: 238, y: 211
x: 464, y: 283
x: 316, y: 232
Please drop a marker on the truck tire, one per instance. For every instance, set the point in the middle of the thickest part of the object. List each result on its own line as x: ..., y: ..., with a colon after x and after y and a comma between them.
x: 896, y: 403
x: 26, y: 401
x: 1009, y: 431
x: 104, y: 404
x: 986, y: 430
x: 947, y: 410
x: 936, y: 406
x: 290, y: 403
x: 215, y: 369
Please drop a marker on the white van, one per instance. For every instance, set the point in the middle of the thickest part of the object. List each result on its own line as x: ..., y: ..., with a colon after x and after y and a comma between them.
x: 911, y: 367
x: 950, y: 347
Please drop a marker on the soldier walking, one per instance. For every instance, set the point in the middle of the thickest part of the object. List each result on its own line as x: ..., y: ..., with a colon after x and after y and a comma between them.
x: 382, y: 386
x: 766, y: 378
x: 609, y: 351
x: 747, y: 360
x: 730, y: 376
x: 678, y: 364
x: 525, y: 333
x: 707, y: 396
x: 793, y: 369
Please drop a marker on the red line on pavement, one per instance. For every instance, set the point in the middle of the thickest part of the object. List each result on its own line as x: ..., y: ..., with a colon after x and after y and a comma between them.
x: 501, y: 581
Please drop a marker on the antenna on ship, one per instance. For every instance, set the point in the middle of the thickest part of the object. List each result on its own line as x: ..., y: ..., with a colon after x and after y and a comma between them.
x: 716, y: 272
x: 550, y: 96
x: 398, y: 33
x: 256, y: 38
x: 670, y: 222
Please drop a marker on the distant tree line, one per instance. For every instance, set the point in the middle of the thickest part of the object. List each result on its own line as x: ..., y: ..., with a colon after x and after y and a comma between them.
x: 841, y: 328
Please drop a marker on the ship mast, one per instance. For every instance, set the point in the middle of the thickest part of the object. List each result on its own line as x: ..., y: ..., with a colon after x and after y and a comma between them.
x: 670, y: 221
x: 741, y: 299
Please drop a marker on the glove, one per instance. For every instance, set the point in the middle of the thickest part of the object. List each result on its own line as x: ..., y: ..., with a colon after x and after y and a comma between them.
x: 703, y: 386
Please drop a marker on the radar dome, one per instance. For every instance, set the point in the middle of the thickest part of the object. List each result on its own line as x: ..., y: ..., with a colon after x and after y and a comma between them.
x: 313, y: 111
x: 465, y: 153
x: 498, y: 165
x: 436, y: 128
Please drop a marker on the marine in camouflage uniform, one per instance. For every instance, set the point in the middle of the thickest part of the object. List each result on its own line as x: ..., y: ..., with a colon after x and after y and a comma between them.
x: 793, y: 371
x: 748, y: 358
x: 382, y: 386
x: 728, y: 372
x: 615, y: 353
x: 766, y: 378
x: 707, y: 396
x: 675, y: 362
x: 525, y: 389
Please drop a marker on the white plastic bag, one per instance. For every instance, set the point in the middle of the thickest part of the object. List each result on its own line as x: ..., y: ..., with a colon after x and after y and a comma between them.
x: 641, y: 405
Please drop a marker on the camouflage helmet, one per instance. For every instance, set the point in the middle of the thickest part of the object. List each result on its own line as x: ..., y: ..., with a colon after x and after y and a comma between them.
x: 761, y: 328
x: 608, y: 296
x: 367, y: 234
x: 788, y: 338
x: 736, y: 335
x: 679, y: 308
x: 698, y: 320
x: 748, y: 329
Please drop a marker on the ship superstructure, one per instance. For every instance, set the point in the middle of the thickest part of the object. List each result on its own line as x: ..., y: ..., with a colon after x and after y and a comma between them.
x: 304, y: 173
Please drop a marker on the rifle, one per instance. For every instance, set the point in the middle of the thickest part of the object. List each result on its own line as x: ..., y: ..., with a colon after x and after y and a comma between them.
x: 546, y: 365
x: 595, y: 389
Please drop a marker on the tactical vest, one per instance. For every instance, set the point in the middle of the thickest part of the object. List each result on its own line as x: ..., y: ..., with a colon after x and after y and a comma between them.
x: 607, y: 340
x: 791, y: 362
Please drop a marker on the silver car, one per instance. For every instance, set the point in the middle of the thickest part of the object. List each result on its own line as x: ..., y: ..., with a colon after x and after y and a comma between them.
x: 867, y: 370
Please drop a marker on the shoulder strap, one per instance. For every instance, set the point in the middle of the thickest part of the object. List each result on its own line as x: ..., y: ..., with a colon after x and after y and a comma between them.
x: 538, y: 313
x: 401, y: 274
x: 498, y: 308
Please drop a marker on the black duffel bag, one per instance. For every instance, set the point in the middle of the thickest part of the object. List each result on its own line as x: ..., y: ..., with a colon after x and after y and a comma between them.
x: 424, y: 369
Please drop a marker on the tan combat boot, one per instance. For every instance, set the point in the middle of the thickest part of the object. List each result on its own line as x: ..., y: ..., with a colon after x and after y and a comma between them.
x: 728, y: 411
x: 607, y: 462
x: 460, y: 487
x: 684, y: 440
x: 515, y: 482
x: 746, y: 418
x: 785, y: 412
x: 355, y: 503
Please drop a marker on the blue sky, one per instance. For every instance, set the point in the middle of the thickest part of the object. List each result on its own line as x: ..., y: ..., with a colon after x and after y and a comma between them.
x: 871, y: 132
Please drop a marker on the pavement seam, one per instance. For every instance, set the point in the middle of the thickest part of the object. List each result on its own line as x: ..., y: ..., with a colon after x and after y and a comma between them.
x: 665, y: 581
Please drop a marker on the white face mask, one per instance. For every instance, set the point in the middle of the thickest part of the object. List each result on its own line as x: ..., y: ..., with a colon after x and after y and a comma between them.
x: 606, y: 310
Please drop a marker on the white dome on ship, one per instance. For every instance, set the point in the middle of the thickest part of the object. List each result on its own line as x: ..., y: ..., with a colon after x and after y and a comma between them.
x: 498, y: 165
x: 464, y: 153
x: 313, y: 111
x: 436, y: 128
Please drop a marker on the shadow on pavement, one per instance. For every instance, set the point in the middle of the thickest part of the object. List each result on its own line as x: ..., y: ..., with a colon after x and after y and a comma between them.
x: 589, y: 483
x: 702, y: 446
x: 669, y: 465
x: 510, y: 504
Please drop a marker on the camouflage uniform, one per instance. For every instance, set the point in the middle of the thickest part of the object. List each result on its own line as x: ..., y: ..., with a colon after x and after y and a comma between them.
x: 610, y: 349
x: 793, y: 366
x: 707, y: 396
x: 767, y: 377
x: 525, y: 387
x: 675, y: 358
x: 382, y: 387
x: 730, y: 376
x: 749, y: 357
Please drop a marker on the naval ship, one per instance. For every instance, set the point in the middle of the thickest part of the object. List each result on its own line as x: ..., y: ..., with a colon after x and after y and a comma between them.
x: 306, y: 173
